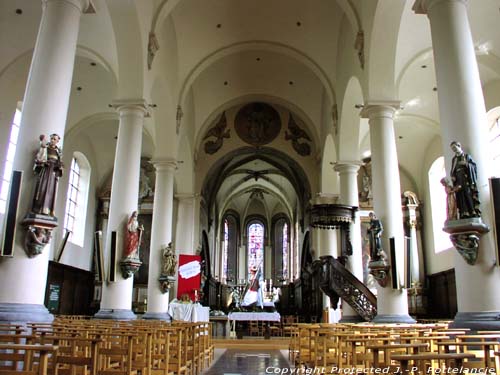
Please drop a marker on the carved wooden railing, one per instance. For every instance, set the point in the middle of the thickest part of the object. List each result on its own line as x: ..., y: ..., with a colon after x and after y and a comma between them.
x: 337, y: 281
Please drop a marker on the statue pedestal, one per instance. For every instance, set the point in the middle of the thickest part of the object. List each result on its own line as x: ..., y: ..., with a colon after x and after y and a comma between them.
x: 166, y: 282
x: 380, y: 271
x: 129, y: 267
x: 465, y: 234
x: 39, y: 232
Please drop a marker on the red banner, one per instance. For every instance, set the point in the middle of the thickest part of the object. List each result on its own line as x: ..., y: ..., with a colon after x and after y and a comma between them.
x: 189, y: 278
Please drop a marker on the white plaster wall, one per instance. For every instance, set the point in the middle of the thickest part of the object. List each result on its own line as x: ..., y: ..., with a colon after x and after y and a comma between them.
x: 492, y: 94
x: 74, y: 255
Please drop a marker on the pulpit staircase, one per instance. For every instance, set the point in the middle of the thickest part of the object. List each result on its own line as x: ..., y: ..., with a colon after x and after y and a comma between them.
x: 335, y: 280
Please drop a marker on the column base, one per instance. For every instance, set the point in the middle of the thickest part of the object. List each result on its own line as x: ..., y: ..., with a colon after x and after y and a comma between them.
x: 157, y: 316
x: 482, y: 320
x: 393, y: 318
x: 351, y: 319
x: 24, y: 312
x: 115, y: 314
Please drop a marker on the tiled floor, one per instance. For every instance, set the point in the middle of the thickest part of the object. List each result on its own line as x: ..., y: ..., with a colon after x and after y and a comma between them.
x: 248, y: 362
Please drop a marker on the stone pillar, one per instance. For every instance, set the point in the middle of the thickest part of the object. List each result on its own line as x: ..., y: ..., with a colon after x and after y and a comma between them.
x: 392, y: 304
x: 185, y: 235
x: 463, y: 119
x: 45, y: 107
x: 116, y: 300
x: 161, y: 235
x: 348, y: 173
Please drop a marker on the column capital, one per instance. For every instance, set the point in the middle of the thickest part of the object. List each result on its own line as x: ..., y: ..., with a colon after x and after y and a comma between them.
x: 383, y: 108
x: 84, y: 6
x: 347, y: 166
x: 423, y: 6
x: 130, y: 105
x: 164, y: 164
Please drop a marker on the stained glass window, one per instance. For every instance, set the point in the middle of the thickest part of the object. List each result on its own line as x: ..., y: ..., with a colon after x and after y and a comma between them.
x: 285, y: 251
x: 225, y: 245
x: 255, y: 246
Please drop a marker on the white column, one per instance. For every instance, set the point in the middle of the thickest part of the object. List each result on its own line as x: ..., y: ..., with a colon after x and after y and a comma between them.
x: 414, y: 253
x: 45, y: 107
x: 463, y: 119
x: 348, y: 173
x: 392, y: 305
x: 185, y: 228
x: 116, y: 300
x: 161, y: 234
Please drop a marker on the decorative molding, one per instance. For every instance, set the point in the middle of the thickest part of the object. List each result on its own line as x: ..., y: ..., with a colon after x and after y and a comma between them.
x: 218, y: 131
x: 178, y: 119
x: 153, y: 47
x: 359, y: 46
x: 335, y: 119
x: 296, y: 133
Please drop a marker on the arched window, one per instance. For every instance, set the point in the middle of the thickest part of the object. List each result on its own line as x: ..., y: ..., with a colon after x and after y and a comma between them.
x: 281, y: 249
x: 255, y: 235
x: 438, y: 205
x: 77, y: 197
x: 9, y: 160
x: 230, y: 249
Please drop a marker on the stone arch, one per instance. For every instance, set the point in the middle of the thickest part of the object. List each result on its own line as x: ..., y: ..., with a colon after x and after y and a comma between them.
x: 382, y: 47
x: 257, y: 45
x: 329, y: 178
x: 349, y: 125
x: 129, y: 47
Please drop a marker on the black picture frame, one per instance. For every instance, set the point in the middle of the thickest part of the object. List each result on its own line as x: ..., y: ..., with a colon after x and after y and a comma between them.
x: 9, y: 230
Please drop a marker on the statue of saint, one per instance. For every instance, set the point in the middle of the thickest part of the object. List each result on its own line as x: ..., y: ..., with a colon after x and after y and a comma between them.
x: 48, y: 169
x: 464, y: 179
x: 133, y: 235
x: 169, y: 261
x: 375, y: 232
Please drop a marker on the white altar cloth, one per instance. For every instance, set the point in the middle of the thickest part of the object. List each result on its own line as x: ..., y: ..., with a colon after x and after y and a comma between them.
x: 189, y: 312
x: 248, y: 316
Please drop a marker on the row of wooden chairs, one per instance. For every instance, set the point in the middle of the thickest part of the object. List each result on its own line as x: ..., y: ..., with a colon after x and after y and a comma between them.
x: 413, y: 349
x: 90, y: 347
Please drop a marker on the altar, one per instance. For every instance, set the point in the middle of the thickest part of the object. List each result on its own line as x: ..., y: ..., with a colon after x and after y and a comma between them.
x: 188, y: 312
x: 243, y: 316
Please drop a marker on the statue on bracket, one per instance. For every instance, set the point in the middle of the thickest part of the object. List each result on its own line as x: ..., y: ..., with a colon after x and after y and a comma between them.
x: 41, y: 220
x: 131, y: 262
x: 379, y: 265
x: 464, y: 223
x: 168, y: 265
x: 48, y: 169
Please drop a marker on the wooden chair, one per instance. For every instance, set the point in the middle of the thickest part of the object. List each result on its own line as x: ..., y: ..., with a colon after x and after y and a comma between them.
x: 254, y: 328
x: 160, y: 352
x: 115, y: 354
x: 17, y: 359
